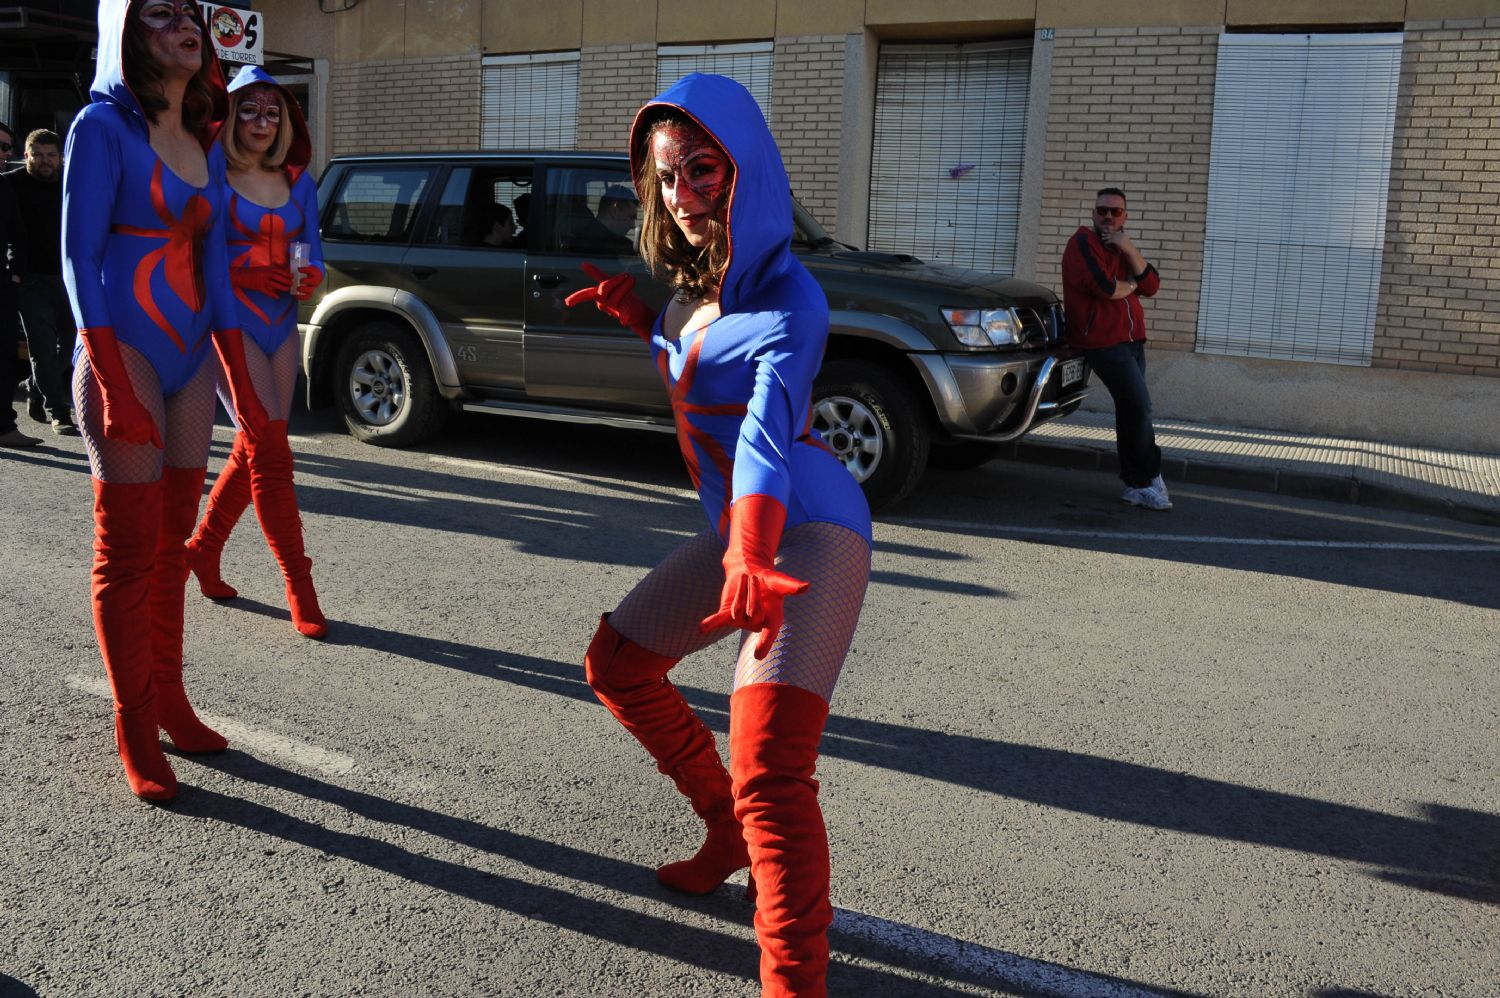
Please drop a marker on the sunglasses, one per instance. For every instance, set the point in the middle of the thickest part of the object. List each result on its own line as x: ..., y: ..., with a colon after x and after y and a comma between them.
x: 1109, y: 212
x: 162, y: 16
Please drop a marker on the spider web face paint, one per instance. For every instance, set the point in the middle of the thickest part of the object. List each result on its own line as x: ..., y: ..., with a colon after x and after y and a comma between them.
x: 690, y: 165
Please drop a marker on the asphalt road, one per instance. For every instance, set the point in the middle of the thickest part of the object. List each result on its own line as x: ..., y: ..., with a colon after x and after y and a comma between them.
x: 1244, y: 748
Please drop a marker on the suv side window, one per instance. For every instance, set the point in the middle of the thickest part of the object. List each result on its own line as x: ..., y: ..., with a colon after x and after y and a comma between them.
x: 377, y: 204
x: 481, y: 207
x: 591, y: 211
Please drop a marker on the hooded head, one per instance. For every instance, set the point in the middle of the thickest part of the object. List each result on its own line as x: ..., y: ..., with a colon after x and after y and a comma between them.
x: 292, y: 149
x: 756, y: 211
x: 123, y: 37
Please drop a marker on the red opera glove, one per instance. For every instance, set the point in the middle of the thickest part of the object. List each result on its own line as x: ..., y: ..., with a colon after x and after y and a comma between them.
x: 125, y: 419
x: 248, y: 412
x: 753, y: 589
x: 615, y: 296
x: 308, y: 279
x: 271, y: 281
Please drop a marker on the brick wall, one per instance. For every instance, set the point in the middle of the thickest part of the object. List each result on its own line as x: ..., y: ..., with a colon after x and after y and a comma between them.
x: 1133, y: 108
x: 613, y: 83
x: 1441, y: 270
x: 807, y: 97
x: 406, y: 105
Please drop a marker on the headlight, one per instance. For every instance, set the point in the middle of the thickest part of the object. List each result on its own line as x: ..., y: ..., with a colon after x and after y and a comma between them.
x: 985, y: 327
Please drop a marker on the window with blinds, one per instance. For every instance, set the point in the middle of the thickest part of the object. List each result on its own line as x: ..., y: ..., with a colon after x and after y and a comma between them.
x: 1298, y: 173
x: 529, y: 101
x: 950, y: 136
x: 748, y: 63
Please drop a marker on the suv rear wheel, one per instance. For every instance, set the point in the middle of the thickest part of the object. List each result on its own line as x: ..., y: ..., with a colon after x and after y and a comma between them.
x: 873, y: 423
x: 385, y: 389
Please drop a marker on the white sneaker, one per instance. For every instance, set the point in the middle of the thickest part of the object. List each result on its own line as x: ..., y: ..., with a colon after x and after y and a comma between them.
x: 1161, y: 486
x: 1147, y: 498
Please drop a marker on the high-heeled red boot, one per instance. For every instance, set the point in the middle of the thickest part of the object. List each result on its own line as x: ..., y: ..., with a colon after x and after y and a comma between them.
x: 275, y: 501
x: 126, y: 516
x: 182, y: 488
x: 632, y: 682
x: 773, y: 749
x: 226, y: 504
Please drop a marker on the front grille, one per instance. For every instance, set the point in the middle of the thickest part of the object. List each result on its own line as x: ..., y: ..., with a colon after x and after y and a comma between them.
x: 1040, y: 324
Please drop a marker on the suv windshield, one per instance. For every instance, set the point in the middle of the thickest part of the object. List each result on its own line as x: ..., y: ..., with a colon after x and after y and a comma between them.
x: 805, y: 229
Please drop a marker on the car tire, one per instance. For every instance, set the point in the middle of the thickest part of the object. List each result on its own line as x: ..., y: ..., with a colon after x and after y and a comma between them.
x: 385, y: 388
x: 961, y: 455
x: 874, y: 423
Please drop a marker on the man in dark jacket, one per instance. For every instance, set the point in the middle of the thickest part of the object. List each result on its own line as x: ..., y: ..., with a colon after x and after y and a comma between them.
x: 45, y: 313
x: 12, y: 248
x: 1104, y: 279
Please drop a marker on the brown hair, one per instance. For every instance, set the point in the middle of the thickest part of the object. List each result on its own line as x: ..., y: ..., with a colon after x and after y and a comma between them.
x: 144, y: 77
x: 44, y: 137
x: 237, y: 159
x: 663, y: 246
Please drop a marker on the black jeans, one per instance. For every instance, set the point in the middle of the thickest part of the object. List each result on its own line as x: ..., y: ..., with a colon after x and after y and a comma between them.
x: 48, y: 320
x: 9, y: 339
x: 1122, y: 368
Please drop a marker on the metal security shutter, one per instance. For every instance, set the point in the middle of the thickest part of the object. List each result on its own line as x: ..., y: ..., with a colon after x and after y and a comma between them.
x: 1298, y: 172
x: 748, y: 63
x: 529, y: 101
x: 950, y: 135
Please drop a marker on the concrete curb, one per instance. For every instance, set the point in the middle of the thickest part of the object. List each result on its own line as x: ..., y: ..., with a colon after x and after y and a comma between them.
x: 1299, y: 484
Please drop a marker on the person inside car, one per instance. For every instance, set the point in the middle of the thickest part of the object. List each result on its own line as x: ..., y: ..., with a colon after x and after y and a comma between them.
x: 785, y: 556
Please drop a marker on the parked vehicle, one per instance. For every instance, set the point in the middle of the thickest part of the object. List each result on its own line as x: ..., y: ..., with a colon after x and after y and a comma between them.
x: 434, y: 302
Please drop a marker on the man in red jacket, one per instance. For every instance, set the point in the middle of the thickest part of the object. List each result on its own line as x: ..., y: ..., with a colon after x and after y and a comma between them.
x: 1104, y: 278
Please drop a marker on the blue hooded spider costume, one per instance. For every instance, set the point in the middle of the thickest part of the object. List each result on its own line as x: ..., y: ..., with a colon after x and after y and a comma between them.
x: 260, y: 469
x: 145, y: 265
x: 785, y: 561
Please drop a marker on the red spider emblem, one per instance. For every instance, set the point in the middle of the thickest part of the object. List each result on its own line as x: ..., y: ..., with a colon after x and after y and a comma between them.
x: 181, y: 257
x: 688, y: 434
x: 266, y: 248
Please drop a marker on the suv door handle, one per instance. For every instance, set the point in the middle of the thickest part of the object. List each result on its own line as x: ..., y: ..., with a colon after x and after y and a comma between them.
x: 422, y: 273
x: 548, y: 280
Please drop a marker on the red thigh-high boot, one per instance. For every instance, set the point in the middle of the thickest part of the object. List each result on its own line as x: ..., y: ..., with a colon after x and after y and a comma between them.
x: 632, y: 682
x: 276, y: 505
x: 181, y: 490
x: 773, y: 748
x: 126, y: 517
x: 226, y: 504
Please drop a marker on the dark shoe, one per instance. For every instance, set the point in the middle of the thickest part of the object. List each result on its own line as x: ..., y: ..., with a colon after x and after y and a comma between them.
x: 15, y: 438
x: 64, y: 428
x: 35, y: 410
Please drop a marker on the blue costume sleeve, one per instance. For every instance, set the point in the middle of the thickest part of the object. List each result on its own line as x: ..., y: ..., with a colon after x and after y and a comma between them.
x: 786, y: 361
x: 306, y: 193
x: 91, y: 182
x: 221, y: 301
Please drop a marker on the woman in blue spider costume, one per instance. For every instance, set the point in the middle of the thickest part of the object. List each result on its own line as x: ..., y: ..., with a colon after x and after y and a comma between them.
x: 273, y: 203
x: 786, y: 556
x: 145, y: 263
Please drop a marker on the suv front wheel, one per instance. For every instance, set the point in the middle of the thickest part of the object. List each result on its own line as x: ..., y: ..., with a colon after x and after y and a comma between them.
x: 385, y: 389
x: 873, y: 423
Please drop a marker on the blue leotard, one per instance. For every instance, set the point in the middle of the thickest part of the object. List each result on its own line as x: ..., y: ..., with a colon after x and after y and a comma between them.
x: 741, y: 387
x: 143, y: 250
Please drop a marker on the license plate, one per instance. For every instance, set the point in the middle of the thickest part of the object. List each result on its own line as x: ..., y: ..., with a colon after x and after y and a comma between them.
x: 1072, y: 370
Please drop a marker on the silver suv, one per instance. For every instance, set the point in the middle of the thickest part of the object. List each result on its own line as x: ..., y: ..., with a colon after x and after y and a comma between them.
x: 446, y: 279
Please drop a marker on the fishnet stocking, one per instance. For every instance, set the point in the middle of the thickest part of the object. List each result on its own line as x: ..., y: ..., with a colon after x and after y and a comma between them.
x: 185, y: 421
x: 274, y: 379
x: 662, y: 612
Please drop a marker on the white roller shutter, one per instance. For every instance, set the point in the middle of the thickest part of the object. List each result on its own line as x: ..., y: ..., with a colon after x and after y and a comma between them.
x: 950, y: 136
x: 1298, y: 173
x: 748, y: 63
x: 529, y: 101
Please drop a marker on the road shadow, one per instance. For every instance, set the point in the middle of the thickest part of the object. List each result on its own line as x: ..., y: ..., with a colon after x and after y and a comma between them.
x: 1451, y: 851
x: 12, y: 988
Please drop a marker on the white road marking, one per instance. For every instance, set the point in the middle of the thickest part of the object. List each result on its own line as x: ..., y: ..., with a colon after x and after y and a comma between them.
x: 971, y: 961
x: 1122, y: 535
x: 256, y: 741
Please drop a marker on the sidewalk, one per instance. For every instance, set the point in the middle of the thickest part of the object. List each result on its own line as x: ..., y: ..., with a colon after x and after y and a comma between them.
x: 1454, y: 484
